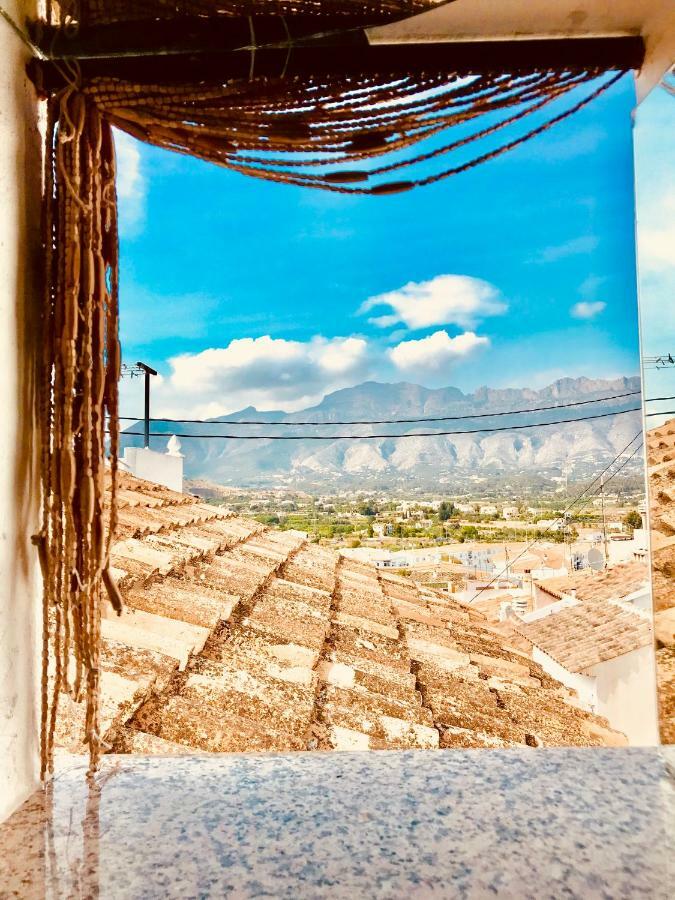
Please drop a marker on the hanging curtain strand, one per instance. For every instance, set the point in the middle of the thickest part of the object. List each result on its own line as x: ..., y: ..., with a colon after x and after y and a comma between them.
x: 290, y: 130
x: 95, y: 12
x: 78, y: 384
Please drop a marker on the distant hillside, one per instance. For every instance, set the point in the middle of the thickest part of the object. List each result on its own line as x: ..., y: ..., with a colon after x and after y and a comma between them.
x: 422, y: 460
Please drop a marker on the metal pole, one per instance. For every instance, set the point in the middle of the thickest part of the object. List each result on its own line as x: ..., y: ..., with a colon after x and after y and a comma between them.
x: 146, y: 421
x: 146, y: 425
x: 604, y: 520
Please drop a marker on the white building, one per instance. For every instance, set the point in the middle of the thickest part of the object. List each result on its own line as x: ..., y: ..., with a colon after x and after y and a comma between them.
x: 627, y: 582
x: 510, y: 512
x: 593, y: 631
x: 160, y: 468
x: 468, y: 508
x: 488, y: 510
x: 603, y: 650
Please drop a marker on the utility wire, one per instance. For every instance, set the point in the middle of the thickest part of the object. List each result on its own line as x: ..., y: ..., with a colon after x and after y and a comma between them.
x: 390, y: 421
x: 662, y: 412
x: 371, y: 437
x: 576, y: 500
x: 659, y: 400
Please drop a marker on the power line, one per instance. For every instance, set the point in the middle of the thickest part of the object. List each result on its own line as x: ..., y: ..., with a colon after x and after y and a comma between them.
x: 574, y: 502
x: 371, y: 437
x: 388, y: 421
x: 664, y: 361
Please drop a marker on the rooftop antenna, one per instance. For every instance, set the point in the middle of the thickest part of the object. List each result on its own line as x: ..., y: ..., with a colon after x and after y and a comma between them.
x: 136, y: 371
x: 664, y: 361
x: 146, y: 426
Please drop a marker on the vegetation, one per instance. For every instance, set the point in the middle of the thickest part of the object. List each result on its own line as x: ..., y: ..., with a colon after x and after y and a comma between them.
x: 446, y: 511
x: 633, y: 520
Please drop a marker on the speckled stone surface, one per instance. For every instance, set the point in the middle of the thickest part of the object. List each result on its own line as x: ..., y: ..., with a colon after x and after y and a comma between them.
x: 532, y: 823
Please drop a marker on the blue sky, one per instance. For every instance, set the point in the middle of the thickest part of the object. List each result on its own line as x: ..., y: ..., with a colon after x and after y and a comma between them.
x: 516, y: 273
x: 655, y: 202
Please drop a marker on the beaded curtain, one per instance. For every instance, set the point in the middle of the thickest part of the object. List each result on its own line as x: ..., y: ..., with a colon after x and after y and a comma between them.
x: 96, y: 12
x: 336, y: 132
x: 78, y: 385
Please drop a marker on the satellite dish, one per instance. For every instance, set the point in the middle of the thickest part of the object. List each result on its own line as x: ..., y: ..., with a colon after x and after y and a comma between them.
x: 596, y: 559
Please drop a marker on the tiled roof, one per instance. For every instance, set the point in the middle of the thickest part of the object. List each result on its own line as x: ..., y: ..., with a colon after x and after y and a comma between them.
x: 237, y: 637
x: 579, y: 635
x: 665, y: 671
x: 614, y: 583
x: 539, y: 559
x: 661, y: 462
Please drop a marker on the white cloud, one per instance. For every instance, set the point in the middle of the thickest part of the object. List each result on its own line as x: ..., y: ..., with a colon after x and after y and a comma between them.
x: 590, y: 286
x: 587, y: 309
x: 656, y: 234
x: 574, y: 247
x: 435, y: 351
x: 444, y: 300
x: 655, y: 198
x: 265, y: 372
x: 131, y: 185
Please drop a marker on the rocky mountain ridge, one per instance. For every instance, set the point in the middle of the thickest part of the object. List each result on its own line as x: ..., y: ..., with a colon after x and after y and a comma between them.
x: 380, y: 457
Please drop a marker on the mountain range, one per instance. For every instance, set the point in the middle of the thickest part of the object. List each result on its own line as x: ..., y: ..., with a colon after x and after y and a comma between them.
x: 422, y: 461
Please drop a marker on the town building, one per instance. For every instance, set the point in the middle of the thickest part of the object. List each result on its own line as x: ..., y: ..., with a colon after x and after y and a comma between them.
x: 628, y: 582
x: 593, y: 632
x: 161, y: 468
x: 488, y: 509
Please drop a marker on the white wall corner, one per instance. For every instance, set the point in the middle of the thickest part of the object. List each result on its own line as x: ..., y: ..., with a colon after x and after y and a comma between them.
x: 659, y: 37
x: 20, y: 617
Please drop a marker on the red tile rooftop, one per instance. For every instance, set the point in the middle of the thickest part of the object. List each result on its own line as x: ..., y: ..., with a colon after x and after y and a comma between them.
x: 661, y: 461
x: 613, y: 583
x: 581, y: 635
x: 236, y: 637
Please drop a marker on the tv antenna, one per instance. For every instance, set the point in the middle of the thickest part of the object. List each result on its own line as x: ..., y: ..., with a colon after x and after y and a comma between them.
x: 141, y: 370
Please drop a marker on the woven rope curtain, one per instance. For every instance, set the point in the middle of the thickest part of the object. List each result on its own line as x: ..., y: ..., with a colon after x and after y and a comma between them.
x: 78, y: 383
x: 96, y: 12
x: 350, y: 133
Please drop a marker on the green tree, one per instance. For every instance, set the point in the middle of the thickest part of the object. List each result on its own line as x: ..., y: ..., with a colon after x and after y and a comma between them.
x: 446, y: 511
x: 632, y: 519
x: 367, y: 509
x: 268, y: 519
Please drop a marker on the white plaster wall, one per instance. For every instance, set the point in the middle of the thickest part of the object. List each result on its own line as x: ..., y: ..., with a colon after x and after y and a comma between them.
x: 160, y: 468
x: 485, y: 19
x: 19, y: 299
x: 584, y: 685
x: 641, y: 600
x: 476, y: 20
x: 626, y: 695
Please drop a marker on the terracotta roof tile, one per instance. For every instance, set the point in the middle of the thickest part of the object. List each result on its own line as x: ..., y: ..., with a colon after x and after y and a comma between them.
x: 285, y: 646
x: 614, y: 583
x: 582, y: 634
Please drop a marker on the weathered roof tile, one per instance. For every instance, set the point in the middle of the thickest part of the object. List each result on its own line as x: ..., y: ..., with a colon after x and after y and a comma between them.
x: 285, y: 646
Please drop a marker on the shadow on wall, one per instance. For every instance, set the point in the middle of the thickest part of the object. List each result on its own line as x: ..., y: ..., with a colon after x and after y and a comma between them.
x: 20, y: 299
